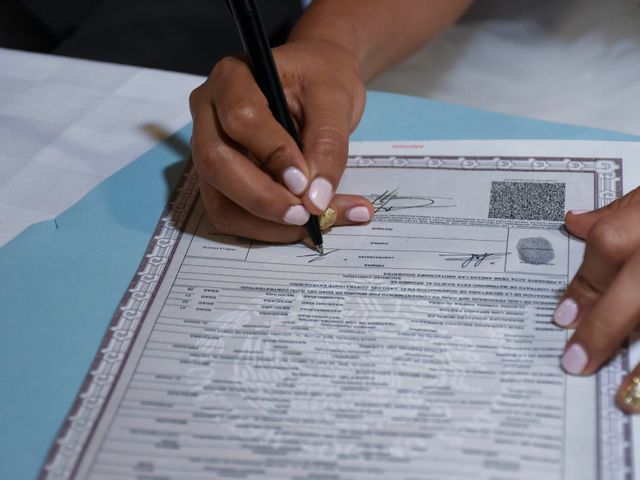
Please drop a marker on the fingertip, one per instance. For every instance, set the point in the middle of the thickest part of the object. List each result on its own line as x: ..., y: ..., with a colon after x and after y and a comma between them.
x: 566, y: 313
x: 319, y: 195
x: 577, y: 215
x: 360, y: 214
x: 353, y: 209
x: 296, y: 215
x: 295, y: 180
x: 575, y: 359
x: 578, y: 222
x: 577, y: 212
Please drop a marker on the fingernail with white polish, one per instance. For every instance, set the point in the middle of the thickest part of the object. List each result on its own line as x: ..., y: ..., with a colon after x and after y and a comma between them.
x: 578, y: 212
x: 320, y: 193
x: 295, y: 180
x: 359, y: 214
x: 566, y: 312
x: 296, y: 215
x: 574, y: 359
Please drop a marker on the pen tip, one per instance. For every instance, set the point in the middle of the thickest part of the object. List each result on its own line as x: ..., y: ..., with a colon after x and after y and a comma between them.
x: 319, y: 249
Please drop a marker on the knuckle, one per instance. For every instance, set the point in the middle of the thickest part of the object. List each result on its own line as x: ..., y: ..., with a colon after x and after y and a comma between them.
x: 213, y: 203
x: 582, y: 287
x: 329, y: 141
x: 341, y: 96
x: 629, y: 199
x: 218, y: 219
x: 601, y: 336
x: 209, y: 159
x: 241, y: 118
x: 193, y: 101
x: 226, y: 66
x: 281, y: 154
x: 607, y: 240
x: 194, y: 97
x: 349, y: 97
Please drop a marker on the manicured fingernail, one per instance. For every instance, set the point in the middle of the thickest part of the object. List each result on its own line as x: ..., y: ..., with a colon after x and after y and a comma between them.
x: 296, y: 215
x: 320, y: 193
x: 295, y: 180
x: 574, y: 359
x: 359, y: 214
x: 566, y: 312
x: 578, y: 212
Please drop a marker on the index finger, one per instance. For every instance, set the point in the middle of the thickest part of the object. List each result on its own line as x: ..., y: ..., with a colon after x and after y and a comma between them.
x: 609, y: 322
x: 222, y: 166
x: 610, y: 242
x: 245, y: 116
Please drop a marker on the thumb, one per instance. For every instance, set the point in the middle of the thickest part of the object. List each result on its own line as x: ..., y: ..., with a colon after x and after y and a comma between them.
x: 326, y: 147
x: 579, y: 222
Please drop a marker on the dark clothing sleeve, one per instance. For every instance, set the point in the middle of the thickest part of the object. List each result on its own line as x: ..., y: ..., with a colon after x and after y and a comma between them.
x: 188, y: 36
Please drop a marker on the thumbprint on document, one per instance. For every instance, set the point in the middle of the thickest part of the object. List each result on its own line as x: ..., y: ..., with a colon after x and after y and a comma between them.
x: 535, y: 250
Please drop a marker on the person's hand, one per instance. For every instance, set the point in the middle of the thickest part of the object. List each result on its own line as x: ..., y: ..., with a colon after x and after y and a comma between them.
x: 603, y: 300
x: 254, y: 180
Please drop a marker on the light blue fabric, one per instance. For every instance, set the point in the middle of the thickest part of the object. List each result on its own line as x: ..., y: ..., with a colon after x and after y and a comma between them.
x: 61, y: 280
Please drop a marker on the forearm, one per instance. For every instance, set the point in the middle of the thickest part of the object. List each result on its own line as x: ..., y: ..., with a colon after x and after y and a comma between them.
x: 379, y: 33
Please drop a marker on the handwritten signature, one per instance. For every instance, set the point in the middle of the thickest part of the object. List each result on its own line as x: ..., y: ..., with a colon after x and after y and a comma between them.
x: 391, y: 201
x: 316, y: 257
x: 474, y: 259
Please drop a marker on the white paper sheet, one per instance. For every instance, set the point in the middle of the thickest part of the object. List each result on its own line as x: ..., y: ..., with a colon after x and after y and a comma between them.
x: 419, y: 346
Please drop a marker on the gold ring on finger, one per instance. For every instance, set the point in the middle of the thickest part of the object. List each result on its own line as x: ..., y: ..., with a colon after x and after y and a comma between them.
x: 327, y: 219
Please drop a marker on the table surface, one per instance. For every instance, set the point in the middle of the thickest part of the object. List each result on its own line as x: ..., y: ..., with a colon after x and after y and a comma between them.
x: 66, y: 126
x: 574, y: 61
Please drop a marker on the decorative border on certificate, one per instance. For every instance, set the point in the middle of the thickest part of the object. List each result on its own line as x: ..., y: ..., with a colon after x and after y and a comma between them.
x: 95, y: 392
x: 608, y: 170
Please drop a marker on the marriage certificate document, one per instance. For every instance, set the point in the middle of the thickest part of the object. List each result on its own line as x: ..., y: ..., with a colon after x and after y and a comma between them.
x: 419, y: 346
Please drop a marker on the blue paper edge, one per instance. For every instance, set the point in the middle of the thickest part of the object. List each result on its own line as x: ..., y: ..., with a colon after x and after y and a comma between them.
x: 48, y: 339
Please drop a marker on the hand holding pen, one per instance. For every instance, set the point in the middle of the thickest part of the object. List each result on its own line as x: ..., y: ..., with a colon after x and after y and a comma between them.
x: 255, y: 180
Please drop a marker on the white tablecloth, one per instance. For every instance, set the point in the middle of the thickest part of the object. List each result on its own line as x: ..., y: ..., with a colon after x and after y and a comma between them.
x: 67, y: 124
x: 573, y: 61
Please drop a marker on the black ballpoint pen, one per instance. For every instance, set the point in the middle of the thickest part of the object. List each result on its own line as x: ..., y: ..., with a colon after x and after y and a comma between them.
x: 258, y: 52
